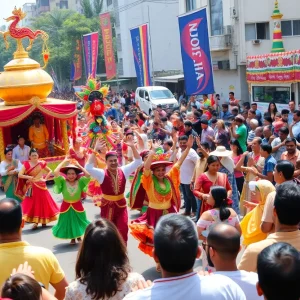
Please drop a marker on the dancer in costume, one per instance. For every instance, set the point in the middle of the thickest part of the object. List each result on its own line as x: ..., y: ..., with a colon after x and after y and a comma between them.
x: 163, y: 194
x: 39, y: 136
x: 113, y: 182
x: 9, y: 169
x: 138, y: 198
x: 94, y: 187
x: 72, y: 220
x: 79, y: 153
x: 38, y: 205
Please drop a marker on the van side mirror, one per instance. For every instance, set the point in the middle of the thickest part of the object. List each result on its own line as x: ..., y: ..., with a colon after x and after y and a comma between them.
x: 147, y: 98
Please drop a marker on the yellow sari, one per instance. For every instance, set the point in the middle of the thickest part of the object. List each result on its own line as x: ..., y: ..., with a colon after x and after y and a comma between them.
x: 250, y: 224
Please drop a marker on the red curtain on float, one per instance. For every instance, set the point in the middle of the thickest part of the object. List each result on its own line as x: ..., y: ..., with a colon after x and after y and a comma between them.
x: 13, y: 118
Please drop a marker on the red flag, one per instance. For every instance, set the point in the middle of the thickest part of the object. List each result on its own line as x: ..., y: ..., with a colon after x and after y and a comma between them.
x: 109, y: 57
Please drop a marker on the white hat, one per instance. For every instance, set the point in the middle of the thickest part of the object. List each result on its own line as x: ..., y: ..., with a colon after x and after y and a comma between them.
x: 221, y: 152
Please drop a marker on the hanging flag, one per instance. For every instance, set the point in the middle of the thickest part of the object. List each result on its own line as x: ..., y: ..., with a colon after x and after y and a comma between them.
x: 76, y: 68
x: 90, y: 45
x: 109, y: 57
x: 139, y: 38
x: 195, y: 53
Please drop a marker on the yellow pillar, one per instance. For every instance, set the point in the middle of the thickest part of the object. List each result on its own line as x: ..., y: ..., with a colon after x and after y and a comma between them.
x: 65, y: 135
x: 2, y: 156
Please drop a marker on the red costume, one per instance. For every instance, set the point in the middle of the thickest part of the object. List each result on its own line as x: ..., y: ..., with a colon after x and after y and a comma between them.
x: 113, y: 202
x: 38, y: 205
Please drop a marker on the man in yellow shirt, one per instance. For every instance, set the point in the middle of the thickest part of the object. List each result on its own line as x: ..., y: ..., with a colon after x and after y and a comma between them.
x: 14, y: 251
x: 287, y: 219
x: 39, y: 136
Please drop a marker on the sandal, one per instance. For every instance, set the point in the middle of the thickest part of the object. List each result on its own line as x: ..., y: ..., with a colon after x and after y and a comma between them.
x: 73, y: 242
x: 34, y: 226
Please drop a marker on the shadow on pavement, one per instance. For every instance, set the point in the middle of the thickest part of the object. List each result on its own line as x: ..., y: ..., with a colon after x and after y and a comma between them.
x: 29, y: 231
x: 65, y: 247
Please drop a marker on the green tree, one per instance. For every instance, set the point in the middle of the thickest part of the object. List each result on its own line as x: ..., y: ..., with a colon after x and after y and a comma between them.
x: 98, y: 5
x: 87, y: 8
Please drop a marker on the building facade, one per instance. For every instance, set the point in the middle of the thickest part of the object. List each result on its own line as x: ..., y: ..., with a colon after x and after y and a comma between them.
x: 241, y: 28
x: 164, y: 40
x: 48, y: 5
x: 29, y: 9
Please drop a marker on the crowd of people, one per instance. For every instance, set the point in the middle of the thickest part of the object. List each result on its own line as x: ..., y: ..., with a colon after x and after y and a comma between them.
x: 208, y: 183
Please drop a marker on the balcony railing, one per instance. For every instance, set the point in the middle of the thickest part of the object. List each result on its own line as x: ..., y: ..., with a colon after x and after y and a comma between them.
x: 220, y: 42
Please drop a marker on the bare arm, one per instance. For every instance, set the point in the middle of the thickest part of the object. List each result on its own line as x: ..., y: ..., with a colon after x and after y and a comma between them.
x: 60, y: 288
x: 186, y: 151
x: 22, y: 176
x: 57, y: 169
x: 148, y: 162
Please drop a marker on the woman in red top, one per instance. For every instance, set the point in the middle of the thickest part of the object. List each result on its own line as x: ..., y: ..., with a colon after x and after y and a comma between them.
x: 208, y: 179
x: 77, y: 152
x: 237, y: 155
x: 141, y: 119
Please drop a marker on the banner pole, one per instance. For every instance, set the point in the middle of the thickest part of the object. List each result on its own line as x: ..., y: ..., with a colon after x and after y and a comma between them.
x: 150, y: 46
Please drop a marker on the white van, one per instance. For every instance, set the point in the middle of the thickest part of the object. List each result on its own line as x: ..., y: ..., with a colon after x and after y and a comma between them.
x: 148, y: 97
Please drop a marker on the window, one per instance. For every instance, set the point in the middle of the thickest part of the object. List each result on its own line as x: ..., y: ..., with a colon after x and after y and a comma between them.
x: 257, y: 31
x: 161, y: 94
x: 44, y: 3
x: 290, y: 28
x: 190, y: 5
x: 63, y: 4
x: 119, y: 42
x: 267, y: 94
x: 216, y: 17
x: 108, y: 2
x: 141, y: 94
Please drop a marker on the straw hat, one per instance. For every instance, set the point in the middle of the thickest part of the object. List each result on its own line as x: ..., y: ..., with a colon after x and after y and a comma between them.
x: 70, y: 166
x: 221, y: 151
x: 162, y: 163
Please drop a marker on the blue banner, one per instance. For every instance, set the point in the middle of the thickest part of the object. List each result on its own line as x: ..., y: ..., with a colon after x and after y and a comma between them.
x: 195, y: 53
x: 90, y: 46
x: 139, y: 38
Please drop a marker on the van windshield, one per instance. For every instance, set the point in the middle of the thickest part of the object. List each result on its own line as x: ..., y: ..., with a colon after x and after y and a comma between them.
x: 161, y: 94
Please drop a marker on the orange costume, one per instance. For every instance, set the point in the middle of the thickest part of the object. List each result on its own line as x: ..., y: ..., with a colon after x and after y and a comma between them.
x: 161, y: 202
x: 38, y: 136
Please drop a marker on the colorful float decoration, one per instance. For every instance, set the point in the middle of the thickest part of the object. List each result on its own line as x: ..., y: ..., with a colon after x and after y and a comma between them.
x: 95, y: 104
x: 24, y: 89
x: 279, y: 66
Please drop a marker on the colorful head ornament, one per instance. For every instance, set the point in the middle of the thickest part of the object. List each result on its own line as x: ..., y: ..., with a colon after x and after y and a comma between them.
x: 95, y: 103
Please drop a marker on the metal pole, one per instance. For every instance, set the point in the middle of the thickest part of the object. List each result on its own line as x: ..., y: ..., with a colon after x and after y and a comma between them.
x: 150, y: 46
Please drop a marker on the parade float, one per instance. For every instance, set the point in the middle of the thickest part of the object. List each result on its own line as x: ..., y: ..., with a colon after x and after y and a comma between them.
x: 24, y: 89
x: 274, y: 76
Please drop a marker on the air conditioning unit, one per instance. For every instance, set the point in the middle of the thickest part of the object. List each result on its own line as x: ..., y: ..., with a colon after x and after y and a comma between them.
x: 234, y: 13
x: 256, y: 42
x: 227, y: 30
x: 223, y: 65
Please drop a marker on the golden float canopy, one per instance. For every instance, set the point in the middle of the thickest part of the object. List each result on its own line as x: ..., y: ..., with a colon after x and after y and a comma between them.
x: 25, y: 86
x: 23, y: 78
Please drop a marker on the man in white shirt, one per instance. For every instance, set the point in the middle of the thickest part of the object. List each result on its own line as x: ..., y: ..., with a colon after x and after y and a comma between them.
x: 21, y: 151
x: 113, y: 181
x: 186, y: 174
x: 222, y: 248
x: 176, y: 249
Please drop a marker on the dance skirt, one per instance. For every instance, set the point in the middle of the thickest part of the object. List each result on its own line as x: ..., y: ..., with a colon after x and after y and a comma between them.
x: 39, y: 207
x: 72, y: 221
x: 142, y: 228
x: 94, y: 191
